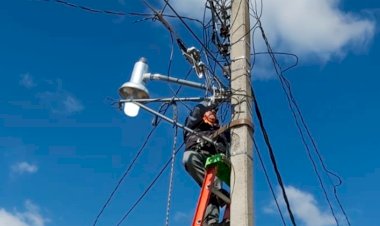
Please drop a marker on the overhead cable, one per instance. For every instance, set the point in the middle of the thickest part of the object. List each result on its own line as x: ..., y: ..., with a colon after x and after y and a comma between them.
x: 147, y: 189
x: 273, y: 158
x: 112, y: 12
x: 155, y: 123
x: 123, y: 177
x: 268, y: 181
x: 88, y: 9
x: 297, y: 113
x: 193, y: 34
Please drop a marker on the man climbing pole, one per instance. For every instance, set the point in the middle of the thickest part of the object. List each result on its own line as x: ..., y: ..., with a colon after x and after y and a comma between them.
x: 203, y: 120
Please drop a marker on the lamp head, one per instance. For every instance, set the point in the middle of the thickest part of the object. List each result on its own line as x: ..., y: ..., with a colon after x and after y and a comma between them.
x: 131, y: 90
x: 135, y: 88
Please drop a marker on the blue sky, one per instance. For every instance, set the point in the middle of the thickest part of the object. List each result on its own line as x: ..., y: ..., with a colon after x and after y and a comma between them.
x: 64, y: 146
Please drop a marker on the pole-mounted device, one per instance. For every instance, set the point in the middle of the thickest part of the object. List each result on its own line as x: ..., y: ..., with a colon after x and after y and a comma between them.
x: 135, y: 89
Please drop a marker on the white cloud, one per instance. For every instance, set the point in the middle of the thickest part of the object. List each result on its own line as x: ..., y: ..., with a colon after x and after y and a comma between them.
x: 71, y: 104
x: 316, y: 30
x: 27, y: 81
x: 24, y: 167
x: 8, y: 219
x: 60, y: 101
x: 30, y: 217
x: 52, y: 96
x: 193, y: 8
x: 304, y: 207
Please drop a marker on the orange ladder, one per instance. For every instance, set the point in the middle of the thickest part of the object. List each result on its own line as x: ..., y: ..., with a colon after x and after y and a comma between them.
x: 216, y: 166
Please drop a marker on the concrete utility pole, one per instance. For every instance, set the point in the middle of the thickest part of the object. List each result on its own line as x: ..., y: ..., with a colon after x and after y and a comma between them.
x: 241, y: 143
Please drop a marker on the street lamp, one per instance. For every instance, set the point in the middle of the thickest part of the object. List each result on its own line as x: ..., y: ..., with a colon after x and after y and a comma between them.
x: 135, y: 89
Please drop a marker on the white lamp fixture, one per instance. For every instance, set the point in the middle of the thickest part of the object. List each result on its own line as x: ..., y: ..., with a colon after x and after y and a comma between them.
x: 131, y: 109
x: 135, y: 88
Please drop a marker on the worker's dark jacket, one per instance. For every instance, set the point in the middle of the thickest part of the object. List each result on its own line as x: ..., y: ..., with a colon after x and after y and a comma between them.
x: 195, y: 122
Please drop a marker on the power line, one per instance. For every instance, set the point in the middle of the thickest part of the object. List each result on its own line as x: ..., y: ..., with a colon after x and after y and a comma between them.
x: 158, y: 16
x: 147, y: 189
x: 129, y: 168
x: 88, y: 9
x: 193, y: 33
x: 205, y: 45
x: 272, y: 157
x: 269, y: 183
x: 112, y: 12
x: 155, y: 124
x: 281, y: 53
x: 296, y: 111
x: 124, y: 175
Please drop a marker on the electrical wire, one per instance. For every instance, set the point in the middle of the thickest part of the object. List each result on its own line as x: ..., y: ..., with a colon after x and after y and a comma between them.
x: 254, y: 9
x: 147, y: 189
x: 281, y: 53
x: 329, y: 172
x: 88, y: 9
x: 112, y: 12
x: 155, y: 124
x: 211, y: 36
x: 164, y: 110
x: 209, y: 81
x: 124, y: 175
x: 216, y: 19
x: 268, y: 180
x: 272, y: 157
x: 109, y: 12
x: 173, y: 34
x: 192, y: 33
x: 278, y: 178
x: 171, y: 53
x: 296, y: 111
x: 146, y: 140
x: 216, y: 62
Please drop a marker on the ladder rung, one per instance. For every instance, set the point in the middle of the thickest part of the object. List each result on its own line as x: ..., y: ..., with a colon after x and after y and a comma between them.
x: 222, y: 196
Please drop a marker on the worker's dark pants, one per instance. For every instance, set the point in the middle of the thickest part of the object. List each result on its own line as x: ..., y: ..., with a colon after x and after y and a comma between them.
x: 194, y: 162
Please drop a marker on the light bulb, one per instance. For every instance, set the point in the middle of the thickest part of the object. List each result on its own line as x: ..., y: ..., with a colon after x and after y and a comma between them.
x: 131, y: 109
